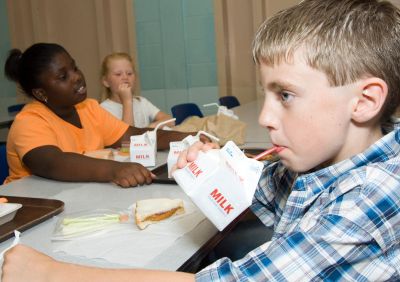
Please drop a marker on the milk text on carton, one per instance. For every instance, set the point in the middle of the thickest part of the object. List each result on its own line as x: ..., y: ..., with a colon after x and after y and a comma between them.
x: 221, y: 201
x: 194, y: 169
x: 142, y: 157
x: 140, y: 144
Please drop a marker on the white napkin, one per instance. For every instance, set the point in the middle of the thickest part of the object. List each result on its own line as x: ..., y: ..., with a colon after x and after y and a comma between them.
x: 130, y: 246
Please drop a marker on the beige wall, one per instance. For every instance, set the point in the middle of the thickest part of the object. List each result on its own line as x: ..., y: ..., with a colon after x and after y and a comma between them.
x: 395, y: 2
x: 88, y: 29
x: 236, y: 22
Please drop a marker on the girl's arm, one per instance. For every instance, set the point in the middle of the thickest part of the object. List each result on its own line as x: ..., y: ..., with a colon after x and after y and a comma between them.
x: 160, y: 117
x: 50, y: 162
x: 125, y: 95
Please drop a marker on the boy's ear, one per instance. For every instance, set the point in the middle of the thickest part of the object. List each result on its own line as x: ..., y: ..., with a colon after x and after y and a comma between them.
x: 370, y: 101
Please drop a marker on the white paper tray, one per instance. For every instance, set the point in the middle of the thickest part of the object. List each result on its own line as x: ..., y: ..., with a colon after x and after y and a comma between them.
x: 8, y: 211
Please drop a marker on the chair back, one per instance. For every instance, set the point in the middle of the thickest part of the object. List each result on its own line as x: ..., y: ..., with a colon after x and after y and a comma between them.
x: 229, y: 101
x: 182, y: 111
x: 15, y: 108
x: 3, y: 162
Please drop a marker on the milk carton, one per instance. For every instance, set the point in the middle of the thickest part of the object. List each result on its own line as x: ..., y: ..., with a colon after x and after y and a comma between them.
x: 177, y: 147
x: 221, y: 183
x: 222, y: 110
x: 143, y: 148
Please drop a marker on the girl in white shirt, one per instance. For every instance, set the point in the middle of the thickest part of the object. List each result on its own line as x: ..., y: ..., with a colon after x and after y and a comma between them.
x: 118, y: 77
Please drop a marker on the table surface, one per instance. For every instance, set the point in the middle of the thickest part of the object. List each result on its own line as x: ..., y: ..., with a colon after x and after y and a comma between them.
x: 90, y: 196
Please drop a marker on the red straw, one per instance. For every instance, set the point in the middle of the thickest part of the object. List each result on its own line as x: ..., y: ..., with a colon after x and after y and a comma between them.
x: 267, y: 152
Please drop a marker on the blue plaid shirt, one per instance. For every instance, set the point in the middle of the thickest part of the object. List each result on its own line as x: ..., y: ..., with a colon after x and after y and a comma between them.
x: 340, y: 223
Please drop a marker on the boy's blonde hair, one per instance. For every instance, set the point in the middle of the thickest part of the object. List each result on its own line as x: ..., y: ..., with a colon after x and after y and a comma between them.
x: 345, y: 39
x: 104, y: 66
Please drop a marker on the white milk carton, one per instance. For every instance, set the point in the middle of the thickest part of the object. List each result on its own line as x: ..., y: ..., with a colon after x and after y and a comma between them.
x: 177, y: 147
x: 222, y: 110
x: 143, y: 148
x: 221, y: 183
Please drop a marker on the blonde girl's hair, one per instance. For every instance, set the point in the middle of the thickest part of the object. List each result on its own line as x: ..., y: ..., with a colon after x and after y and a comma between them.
x: 104, y: 69
x: 346, y: 39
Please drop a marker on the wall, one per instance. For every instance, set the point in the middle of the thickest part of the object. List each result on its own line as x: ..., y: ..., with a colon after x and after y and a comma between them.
x: 235, y: 25
x: 88, y: 29
x: 7, y: 88
x: 176, y: 51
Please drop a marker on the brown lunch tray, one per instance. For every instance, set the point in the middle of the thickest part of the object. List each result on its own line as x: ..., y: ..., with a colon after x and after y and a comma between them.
x: 161, y: 173
x: 33, y: 212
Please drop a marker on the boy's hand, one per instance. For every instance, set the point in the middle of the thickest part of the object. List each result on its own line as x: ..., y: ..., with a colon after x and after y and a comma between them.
x: 205, y: 139
x: 131, y: 174
x: 22, y: 263
x: 191, y: 153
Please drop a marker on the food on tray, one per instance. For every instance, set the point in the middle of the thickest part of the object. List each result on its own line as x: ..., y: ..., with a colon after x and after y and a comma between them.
x: 123, y: 153
x: 106, y: 218
x: 3, y: 200
x: 85, y: 223
x: 154, y: 210
x: 125, y: 149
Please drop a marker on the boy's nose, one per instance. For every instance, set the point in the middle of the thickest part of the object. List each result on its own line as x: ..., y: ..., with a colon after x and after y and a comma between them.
x: 267, y: 118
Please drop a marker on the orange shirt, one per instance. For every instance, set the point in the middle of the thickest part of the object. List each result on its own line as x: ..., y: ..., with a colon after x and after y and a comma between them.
x: 36, y: 125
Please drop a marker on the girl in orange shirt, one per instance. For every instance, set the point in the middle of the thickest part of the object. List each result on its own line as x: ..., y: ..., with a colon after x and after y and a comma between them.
x: 50, y: 135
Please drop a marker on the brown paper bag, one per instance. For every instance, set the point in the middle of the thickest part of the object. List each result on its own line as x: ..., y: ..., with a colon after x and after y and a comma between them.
x: 221, y: 126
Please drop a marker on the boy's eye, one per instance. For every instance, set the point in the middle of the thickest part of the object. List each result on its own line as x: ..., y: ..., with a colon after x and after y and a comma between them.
x: 285, y: 96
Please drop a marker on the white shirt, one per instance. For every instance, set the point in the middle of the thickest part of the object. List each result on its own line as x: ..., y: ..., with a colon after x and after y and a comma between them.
x: 144, y: 112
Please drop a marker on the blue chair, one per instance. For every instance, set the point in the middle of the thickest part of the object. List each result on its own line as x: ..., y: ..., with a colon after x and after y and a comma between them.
x: 3, y: 162
x: 229, y: 101
x: 182, y: 111
x: 15, y: 108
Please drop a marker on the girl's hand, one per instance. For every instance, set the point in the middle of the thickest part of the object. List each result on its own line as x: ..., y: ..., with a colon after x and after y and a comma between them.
x: 124, y: 93
x: 131, y: 174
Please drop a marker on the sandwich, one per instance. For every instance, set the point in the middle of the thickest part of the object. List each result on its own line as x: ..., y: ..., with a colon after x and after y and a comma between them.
x: 154, y: 210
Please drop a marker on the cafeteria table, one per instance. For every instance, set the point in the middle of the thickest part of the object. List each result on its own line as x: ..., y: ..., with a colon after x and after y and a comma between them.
x: 183, y: 255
